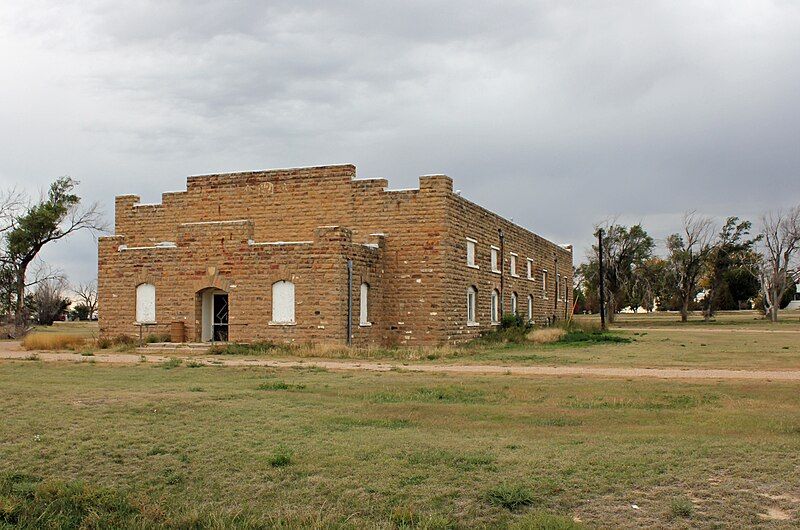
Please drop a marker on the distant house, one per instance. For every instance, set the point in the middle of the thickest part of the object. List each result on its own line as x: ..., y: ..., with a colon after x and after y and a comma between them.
x: 795, y: 303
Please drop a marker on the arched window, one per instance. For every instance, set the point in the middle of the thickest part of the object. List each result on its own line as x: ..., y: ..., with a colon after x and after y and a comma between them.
x: 146, y: 303
x: 283, y: 302
x: 513, y: 303
x: 363, y: 307
x: 495, y: 306
x: 530, y: 308
x: 472, y: 303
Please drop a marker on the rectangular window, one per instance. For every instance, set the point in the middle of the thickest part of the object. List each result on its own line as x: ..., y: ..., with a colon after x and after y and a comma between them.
x: 558, y: 287
x: 472, y: 295
x: 544, y: 283
x: 471, y: 253
x: 495, y: 259
x: 513, y: 264
x: 530, y: 269
x: 363, y: 307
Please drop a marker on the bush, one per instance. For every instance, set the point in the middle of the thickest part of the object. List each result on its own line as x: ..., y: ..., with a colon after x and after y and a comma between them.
x: 510, y: 496
x: 51, y: 341
x: 512, y: 329
x: 157, y: 337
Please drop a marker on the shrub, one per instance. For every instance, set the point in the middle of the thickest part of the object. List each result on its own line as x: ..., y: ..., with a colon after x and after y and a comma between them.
x: 281, y: 457
x: 279, y: 385
x: 169, y: 364
x: 512, y: 329
x: 52, y: 341
x: 510, y: 496
x: 157, y: 337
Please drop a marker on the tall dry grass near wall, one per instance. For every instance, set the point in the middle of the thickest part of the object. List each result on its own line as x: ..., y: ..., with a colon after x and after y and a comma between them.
x: 52, y: 341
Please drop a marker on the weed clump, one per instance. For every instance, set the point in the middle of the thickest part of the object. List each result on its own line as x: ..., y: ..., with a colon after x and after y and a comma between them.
x: 681, y: 507
x: 282, y: 457
x: 510, y: 496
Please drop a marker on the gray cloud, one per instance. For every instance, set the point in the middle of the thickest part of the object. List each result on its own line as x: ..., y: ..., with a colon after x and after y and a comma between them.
x: 558, y: 114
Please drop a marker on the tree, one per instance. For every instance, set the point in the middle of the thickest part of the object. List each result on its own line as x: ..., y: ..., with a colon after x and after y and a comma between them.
x: 87, y: 295
x: 726, y: 267
x: 780, y: 242
x: 81, y: 311
x: 687, y: 253
x: 50, y: 301
x: 624, y: 251
x: 54, y: 217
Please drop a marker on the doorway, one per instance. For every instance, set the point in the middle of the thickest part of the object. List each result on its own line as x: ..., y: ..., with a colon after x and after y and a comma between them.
x: 214, y: 315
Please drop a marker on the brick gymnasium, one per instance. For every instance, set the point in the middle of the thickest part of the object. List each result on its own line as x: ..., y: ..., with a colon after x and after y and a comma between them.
x: 312, y: 254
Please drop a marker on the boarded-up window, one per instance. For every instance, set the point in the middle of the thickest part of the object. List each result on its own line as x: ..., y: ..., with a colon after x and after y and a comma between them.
x: 363, y: 308
x: 513, y: 303
x: 283, y: 302
x: 472, y: 299
x: 495, y: 306
x: 530, y: 308
x: 495, y: 259
x: 513, y: 265
x: 146, y: 303
x: 471, y: 252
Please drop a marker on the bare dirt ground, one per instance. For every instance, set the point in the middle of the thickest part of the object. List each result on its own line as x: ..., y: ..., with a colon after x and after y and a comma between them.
x: 12, y: 351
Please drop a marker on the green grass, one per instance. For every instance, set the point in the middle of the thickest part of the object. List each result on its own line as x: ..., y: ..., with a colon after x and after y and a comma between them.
x: 137, y: 446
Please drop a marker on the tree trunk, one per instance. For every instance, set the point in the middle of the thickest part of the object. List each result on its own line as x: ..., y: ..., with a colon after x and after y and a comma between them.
x: 685, y: 310
x: 773, y: 310
x: 19, y: 315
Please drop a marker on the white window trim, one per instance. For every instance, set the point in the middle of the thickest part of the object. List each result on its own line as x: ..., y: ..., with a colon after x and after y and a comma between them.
x: 558, y: 287
x: 474, y: 264
x: 530, y: 308
x: 512, y: 264
x: 495, y: 296
x: 499, y: 259
x: 529, y: 265
x: 514, y: 303
x: 544, y: 284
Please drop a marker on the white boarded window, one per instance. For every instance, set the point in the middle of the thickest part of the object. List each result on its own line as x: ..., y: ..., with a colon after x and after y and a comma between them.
x: 566, y: 292
x: 363, y: 307
x: 146, y: 303
x: 530, y: 308
x: 558, y: 287
x: 283, y: 302
x: 472, y: 302
x: 530, y: 269
x: 495, y: 259
x: 514, y: 303
x: 495, y: 306
x: 544, y: 284
x: 471, y: 253
x: 513, y: 265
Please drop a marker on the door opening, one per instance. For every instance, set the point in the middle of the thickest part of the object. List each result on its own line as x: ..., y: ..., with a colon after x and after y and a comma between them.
x: 220, y: 319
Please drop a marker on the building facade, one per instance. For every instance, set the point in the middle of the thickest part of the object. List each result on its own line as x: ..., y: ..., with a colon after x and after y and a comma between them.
x: 315, y: 255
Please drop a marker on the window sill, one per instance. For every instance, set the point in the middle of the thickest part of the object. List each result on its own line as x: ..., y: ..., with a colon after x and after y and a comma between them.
x: 473, y: 266
x: 154, y: 323
x: 514, y: 275
x: 495, y: 271
x: 365, y: 324
x: 495, y: 323
x: 531, y: 278
x: 282, y: 324
x: 473, y: 324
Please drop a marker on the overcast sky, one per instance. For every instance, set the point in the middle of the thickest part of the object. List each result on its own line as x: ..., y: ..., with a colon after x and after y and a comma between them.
x: 555, y: 114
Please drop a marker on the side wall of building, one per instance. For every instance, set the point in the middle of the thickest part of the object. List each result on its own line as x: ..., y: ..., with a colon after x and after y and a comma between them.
x: 468, y: 220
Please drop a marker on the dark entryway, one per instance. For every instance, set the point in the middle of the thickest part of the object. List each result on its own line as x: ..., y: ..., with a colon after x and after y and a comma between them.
x: 220, y: 318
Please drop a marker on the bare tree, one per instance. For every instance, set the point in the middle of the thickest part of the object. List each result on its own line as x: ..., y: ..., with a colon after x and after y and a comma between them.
x: 87, y: 294
x: 779, y: 249
x: 687, y: 254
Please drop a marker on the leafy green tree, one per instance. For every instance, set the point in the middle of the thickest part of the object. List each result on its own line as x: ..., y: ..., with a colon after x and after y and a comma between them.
x: 55, y: 216
x: 727, y: 263
x: 625, y: 250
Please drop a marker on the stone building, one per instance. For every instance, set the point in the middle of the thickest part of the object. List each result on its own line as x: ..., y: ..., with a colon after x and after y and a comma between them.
x: 306, y: 254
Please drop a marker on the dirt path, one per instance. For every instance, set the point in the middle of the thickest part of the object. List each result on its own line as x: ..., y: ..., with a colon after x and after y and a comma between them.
x: 705, y: 330
x: 581, y: 371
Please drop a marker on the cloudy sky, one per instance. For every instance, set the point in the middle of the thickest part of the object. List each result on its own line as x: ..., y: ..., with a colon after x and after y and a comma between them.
x: 557, y: 114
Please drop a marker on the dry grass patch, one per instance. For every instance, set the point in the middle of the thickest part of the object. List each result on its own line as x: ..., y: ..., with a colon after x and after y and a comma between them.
x: 546, y: 335
x: 52, y: 341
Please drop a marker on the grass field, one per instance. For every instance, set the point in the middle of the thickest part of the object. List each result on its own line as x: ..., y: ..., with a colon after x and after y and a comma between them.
x: 174, y: 445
